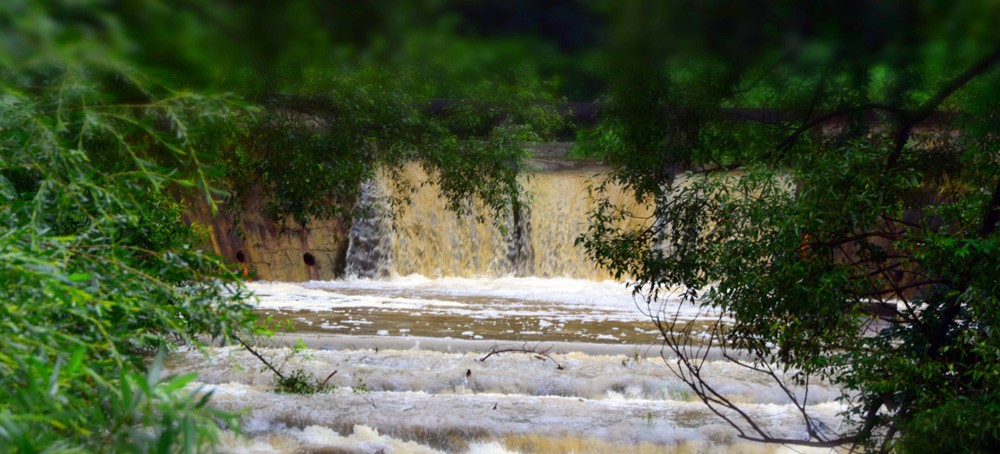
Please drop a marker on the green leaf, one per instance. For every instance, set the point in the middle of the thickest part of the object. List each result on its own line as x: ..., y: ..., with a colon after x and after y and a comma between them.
x: 79, y: 277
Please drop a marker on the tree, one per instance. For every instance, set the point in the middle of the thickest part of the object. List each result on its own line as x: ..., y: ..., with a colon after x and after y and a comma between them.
x: 810, y: 165
x: 351, y: 89
x: 831, y: 187
x: 97, y: 271
x: 317, y: 146
x: 109, y: 112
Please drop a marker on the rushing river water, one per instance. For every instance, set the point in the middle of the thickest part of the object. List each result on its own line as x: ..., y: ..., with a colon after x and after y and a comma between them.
x: 411, y: 353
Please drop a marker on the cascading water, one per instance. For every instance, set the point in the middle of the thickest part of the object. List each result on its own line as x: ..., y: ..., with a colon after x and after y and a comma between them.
x: 432, y: 241
x: 537, y: 239
x: 560, y: 203
x: 430, y: 294
x: 369, y: 252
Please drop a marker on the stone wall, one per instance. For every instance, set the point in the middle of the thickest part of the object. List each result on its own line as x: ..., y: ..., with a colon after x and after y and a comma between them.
x: 276, y: 251
x: 273, y: 251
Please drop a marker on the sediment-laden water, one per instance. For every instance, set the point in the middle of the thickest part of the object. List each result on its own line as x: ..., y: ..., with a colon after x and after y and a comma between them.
x: 509, y: 308
x: 587, y: 376
x: 409, y: 338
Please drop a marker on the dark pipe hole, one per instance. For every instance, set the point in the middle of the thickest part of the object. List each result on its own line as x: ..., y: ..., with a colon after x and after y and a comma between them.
x: 240, y: 257
x: 309, y: 259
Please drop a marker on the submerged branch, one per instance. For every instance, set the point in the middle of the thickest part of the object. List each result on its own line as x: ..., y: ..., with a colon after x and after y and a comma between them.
x: 537, y: 353
x: 261, y: 358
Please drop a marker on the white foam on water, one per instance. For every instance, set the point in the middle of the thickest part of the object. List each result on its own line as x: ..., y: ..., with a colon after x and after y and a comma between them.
x: 426, y: 396
x: 394, y: 395
x: 556, y: 290
x: 561, y: 299
x: 362, y: 439
x: 489, y: 448
x: 589, y: 376
x: 429, y: 419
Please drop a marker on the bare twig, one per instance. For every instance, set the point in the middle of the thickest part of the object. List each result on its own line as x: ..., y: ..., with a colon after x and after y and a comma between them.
x: 328, y: 377
x: 541, y: 354
x: 687, y: 366
x: 261, y: 358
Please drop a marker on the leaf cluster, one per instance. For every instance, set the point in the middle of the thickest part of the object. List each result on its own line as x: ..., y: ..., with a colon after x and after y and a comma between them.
x: 311, y: 152
x: 834, y: 198
x: 98, y: 271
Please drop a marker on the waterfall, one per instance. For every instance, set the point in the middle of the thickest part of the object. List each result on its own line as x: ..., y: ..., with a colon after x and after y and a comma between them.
x: 537, y: 238
x: 369, y: 250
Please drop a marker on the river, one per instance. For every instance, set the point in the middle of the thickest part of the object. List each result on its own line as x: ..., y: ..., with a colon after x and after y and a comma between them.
x: 585, y: 371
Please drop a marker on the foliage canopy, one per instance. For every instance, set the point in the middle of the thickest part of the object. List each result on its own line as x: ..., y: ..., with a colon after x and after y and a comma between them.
x: 97, y: 271
x: 809, y: 164
x: 110, y: 112
x: 848, y: 230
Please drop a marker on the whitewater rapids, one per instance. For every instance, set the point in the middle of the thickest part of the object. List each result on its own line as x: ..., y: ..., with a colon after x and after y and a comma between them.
x: 410, y: 375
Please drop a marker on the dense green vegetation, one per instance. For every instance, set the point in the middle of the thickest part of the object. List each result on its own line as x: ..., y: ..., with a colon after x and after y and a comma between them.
x: 834, y: 156
x: 348, y: 89
x: 314, y: 149
x: 98, y: 273
x: 868, y: 190
x: 110, y: 114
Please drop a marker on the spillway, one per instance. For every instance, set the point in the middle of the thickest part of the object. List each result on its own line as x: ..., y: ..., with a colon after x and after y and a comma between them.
x: 429, y: 295
x: 427, y: 239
